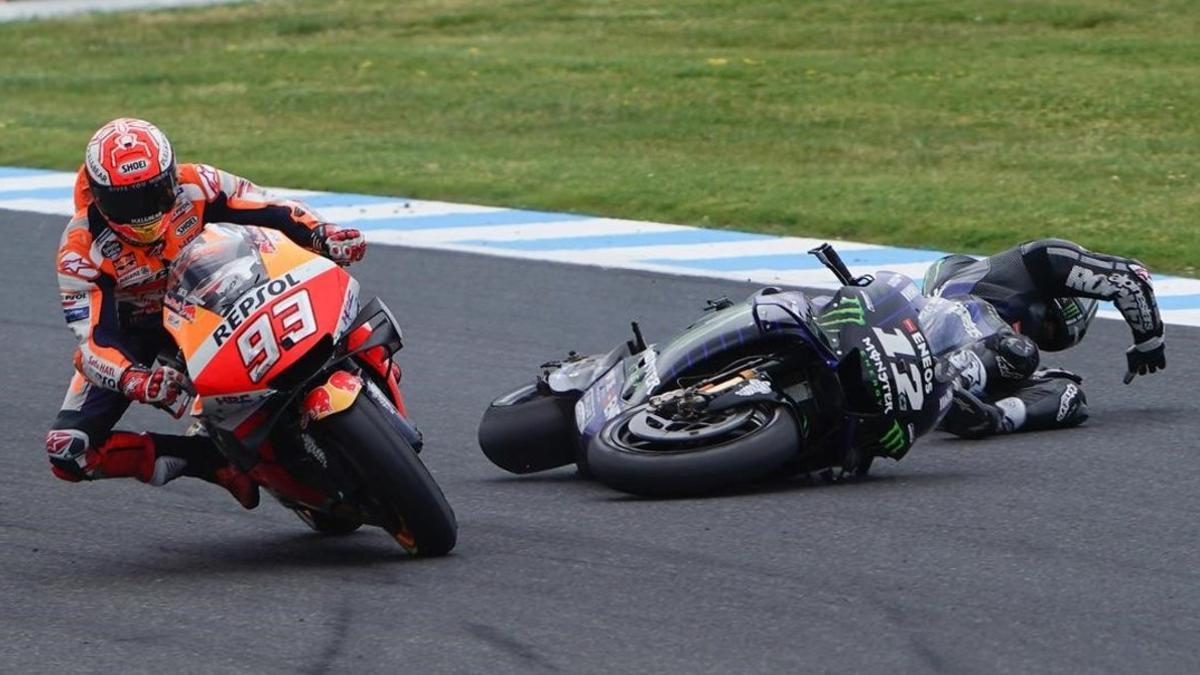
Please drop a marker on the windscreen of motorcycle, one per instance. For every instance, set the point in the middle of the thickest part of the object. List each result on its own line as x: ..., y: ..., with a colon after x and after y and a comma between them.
x: 216, y: 268
x: 952, y: 324
x: 886, y: 363
x: 253, y: 312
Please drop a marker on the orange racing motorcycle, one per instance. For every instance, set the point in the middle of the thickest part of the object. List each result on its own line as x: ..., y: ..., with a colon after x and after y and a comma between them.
x: 296, y: 385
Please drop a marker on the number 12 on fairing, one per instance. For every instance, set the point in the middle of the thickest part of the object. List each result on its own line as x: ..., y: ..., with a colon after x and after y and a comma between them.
x: 259, y: 345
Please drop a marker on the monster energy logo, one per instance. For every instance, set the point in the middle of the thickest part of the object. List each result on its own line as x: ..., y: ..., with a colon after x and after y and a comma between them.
x: 848, y: 311
x: 1070, y: 309
x: 893, y: 441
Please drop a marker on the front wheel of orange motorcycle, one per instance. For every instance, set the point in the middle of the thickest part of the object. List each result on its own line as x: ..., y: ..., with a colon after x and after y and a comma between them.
x: 415, y: 512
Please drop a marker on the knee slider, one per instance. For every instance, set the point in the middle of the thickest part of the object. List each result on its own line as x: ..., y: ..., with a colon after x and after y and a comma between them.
x: 1055, y: 403
x: 1072, y: 403
x: 1017, y: 356
x: 67, y: 451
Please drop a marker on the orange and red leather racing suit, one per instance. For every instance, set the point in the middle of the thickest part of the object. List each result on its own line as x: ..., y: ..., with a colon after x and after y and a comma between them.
x: 112, y: 295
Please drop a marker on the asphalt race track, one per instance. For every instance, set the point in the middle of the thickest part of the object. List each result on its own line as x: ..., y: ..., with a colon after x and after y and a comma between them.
x: 1059, y: 552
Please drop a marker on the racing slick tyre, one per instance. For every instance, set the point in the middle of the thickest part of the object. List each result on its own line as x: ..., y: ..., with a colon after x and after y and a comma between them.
x: 416, y: 512
x: 528, y: 431
x: 645, y: 454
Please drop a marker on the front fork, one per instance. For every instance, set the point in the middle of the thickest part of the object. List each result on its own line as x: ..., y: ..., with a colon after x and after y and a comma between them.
x: 379, y: 360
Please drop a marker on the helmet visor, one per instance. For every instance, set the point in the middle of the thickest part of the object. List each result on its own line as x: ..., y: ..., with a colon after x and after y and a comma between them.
x: 140, y: 206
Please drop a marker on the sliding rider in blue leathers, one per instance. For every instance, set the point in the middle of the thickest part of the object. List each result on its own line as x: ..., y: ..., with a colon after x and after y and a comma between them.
x: 1047, y: 291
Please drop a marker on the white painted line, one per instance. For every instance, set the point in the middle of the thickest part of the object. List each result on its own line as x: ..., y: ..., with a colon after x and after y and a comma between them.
x: 54, y: 207
x: 681, y: 259
x: 1165, y: 287
x: 53, y: 180
x: 50, y: 8
x: 288, y: 193
x: 1176, y: 317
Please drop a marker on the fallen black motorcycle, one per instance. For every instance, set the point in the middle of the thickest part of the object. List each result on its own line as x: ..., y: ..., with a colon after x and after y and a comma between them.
x: 775, y: 384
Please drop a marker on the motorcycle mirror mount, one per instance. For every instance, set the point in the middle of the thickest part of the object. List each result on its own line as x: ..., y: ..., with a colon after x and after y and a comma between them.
x: 638, y: 344
x: 829, y: 258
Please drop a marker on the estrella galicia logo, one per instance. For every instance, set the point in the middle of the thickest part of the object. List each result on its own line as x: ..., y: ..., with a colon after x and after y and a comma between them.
x: 76, y: 314
x: 111, y: 249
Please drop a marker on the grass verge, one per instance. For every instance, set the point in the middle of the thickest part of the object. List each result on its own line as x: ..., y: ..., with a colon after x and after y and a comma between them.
x: 964, y: 125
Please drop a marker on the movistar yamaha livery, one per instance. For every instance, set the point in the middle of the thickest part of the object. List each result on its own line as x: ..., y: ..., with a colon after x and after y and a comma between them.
x: 777, y: 383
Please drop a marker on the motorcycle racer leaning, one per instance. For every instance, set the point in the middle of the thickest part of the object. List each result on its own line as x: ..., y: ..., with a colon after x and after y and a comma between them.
x: 1047, y: 291
x: 135, y: 209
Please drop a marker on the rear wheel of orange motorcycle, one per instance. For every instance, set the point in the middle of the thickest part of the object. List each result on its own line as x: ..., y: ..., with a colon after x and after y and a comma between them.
x: 415, y: 512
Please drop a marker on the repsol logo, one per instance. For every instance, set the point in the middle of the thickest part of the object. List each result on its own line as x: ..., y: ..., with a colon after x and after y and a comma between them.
x: 135, y: 165
x: 249, y: 304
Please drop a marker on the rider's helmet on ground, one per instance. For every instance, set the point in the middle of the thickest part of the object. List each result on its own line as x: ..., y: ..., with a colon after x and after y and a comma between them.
x: 131, y: 174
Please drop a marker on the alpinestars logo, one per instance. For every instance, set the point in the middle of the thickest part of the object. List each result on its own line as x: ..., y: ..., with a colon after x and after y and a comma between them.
x: 1066, y: 404
x: 76, y: 265
x: 66, y: 443
x: 1007, y: 370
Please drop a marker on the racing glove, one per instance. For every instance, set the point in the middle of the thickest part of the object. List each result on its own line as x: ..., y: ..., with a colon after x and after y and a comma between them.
x: 1145, y: 357
x: 343, y: 245
x: 160, y: 386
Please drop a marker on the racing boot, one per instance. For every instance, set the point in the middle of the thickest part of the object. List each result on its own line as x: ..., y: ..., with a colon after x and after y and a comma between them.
x: 207, y: 463
x: 238, y: 483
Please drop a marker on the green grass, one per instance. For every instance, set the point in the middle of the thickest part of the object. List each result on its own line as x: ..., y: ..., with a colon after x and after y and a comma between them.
x: 959, y: 124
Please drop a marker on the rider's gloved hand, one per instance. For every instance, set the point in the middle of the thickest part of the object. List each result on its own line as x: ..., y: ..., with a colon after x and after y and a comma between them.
x: 161, y: 386
x: 1145, y: 357
x: 343, y: 245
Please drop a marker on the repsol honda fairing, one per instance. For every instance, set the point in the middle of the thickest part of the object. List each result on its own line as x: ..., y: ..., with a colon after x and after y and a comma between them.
x: 776, y: 383
x: 296, y: 385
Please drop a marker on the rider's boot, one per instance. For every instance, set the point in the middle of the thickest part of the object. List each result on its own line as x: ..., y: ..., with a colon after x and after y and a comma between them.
x: 154, y: 459
x: 238, y: 483
x: 205, y: 462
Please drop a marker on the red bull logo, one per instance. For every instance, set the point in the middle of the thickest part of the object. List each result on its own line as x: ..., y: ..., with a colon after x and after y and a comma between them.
x: 331, y: 398
x: 345, y: 381
x: 317, y: 405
